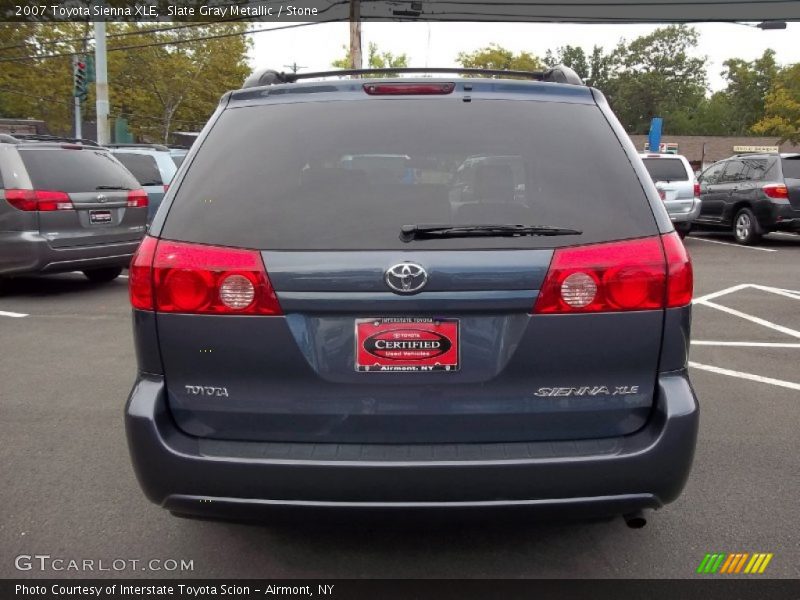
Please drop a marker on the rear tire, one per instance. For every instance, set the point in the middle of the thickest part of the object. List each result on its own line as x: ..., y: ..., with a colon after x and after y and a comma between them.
x: 683, y: 229
x: 103, y: 275
x: 745, y: 228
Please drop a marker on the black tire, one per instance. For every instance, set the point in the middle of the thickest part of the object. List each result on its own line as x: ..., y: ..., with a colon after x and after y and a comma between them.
x: 746, y: 230
x: 103, y: 275
x: 683, y: 229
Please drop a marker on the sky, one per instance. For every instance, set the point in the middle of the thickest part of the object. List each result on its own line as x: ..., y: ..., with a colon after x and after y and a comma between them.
x: 437, y: 44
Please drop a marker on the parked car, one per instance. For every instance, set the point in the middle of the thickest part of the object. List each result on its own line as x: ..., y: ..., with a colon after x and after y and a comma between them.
x: 310, y: 336
x: 677, y: 187
x: 152, y: 165
x: 178, y: 154
x: 66, y: 205
x: 752, y: 195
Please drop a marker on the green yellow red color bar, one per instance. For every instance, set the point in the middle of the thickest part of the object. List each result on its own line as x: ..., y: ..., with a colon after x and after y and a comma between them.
x: 737, y: 562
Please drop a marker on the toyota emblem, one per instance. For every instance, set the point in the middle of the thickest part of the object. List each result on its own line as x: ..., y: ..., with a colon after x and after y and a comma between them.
x: 406, y: 278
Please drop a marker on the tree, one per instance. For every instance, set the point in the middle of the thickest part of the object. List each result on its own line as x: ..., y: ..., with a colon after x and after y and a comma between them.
x: 748, y: 85
x: 375, y: 59
x: 655, y: 75
x: 495, y: 56
x: 782, y: 107
x: 156, y: 87
x: 570, y: 56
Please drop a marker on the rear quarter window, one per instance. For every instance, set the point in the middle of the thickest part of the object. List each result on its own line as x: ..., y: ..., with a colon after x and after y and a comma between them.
x: 791, y: 167
x: 143, y: 167
x: 71, y: 171
x: 347, y: 175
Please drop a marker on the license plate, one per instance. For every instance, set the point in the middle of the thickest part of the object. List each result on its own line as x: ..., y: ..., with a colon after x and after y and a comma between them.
x: 99, y: 216
x: 407, y: 345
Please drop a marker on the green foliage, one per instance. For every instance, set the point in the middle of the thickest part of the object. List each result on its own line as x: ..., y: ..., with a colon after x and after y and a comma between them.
x: 495, y: 56
x: 782, y: 107
x: 159, y: 89
x: 748, y: 85
x: 375, y: 59
x: 570, y: 56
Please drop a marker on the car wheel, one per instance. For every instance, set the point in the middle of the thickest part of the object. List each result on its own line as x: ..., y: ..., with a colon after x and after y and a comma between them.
x: 103, y: 275
x: 683, y: 229
x: 745, y: 227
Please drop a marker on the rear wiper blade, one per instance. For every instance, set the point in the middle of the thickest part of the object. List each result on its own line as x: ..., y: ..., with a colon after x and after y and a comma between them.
x: 417, y: 232
x: 112, y: 187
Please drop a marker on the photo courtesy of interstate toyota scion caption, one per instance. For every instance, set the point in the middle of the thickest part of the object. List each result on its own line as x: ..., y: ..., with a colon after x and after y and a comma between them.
x: 447, y: 292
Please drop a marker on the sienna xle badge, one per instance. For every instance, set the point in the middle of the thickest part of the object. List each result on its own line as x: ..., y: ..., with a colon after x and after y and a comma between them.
x: 412, y: 293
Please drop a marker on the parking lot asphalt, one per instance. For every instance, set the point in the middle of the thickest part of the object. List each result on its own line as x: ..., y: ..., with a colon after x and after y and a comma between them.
x: 68, y: 489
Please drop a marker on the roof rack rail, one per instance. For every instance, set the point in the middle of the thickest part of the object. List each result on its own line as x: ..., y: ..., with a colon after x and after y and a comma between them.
x: 557, y: 74
x: 36, y: 137
x: 161, y: 147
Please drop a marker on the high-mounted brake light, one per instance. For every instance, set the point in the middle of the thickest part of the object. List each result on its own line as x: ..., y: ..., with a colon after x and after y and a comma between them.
x: 408, y: 89
x: 137, y: 199
x: 190, y: 278
x: 618, y: 276
x: 777, y: 191
x: 38, y: 200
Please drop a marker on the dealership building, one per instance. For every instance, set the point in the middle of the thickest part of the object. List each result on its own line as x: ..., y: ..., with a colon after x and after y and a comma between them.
x: 702, y: 150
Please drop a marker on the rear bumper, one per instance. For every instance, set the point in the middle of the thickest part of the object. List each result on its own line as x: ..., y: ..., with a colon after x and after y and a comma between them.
x: 29, y: 252
x: 588, y: 477
x: 679, y: 213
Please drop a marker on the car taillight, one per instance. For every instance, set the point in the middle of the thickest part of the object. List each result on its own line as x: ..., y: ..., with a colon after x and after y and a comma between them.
x: 777, y: 191
x: 617, y: 276
x: 696, y: 190
x: 166, y: 188
x: 680, y: 277
x: 137, y: 199
x: 408, y: 89
x: 41, y: 200
x: 140, y: 275
x: 197, y: 279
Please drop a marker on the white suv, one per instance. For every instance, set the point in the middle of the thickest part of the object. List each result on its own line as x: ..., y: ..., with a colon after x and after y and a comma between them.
x: 677, y: 186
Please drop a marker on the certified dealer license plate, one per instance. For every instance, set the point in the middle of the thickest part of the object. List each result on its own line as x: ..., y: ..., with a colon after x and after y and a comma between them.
x: 407, y: 344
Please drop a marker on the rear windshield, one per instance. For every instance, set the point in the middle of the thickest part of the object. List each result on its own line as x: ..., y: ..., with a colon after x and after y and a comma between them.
x: 71, y: 171
x: 143, y: 167
x: 666, y: 169
x: 348, y: 175
x: 791, y: 167
x: 178, y: 159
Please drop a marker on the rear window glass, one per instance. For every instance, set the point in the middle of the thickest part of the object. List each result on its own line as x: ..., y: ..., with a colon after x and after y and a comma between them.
x: 791, y: 167
x: 143, y: 167
x: 178, y: 159
x: 666, y: 169
x: 348, y: 175
x: 74, y: 170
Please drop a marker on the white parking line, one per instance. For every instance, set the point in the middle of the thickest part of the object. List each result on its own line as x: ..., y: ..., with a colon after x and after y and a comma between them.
x: 702, y: 239
x: 752, y: 319
x: 745, y: 344
x: 123, y: 276
x: 749, y: 376
x: 781, y: 292
x: 712, y: 295
x: 4, y: 313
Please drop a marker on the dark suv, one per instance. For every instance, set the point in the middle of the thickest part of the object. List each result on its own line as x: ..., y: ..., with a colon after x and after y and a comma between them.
x: 315, y: 330
x: 66, y: 205
x: 752, y: 195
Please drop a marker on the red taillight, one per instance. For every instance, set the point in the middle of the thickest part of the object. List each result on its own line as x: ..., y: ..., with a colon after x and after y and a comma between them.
x: 680, y: 277
x: 196, y: 279
x: 166, y: 188
x: 140, y: 276
x: 408, y: 89
x: 41, y: 200
x: 696, y: 190
x: 777, y: 191
x: 137, y: 199
x: 617, y: 276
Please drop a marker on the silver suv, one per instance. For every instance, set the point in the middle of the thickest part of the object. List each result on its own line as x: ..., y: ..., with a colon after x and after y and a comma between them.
x: 677, y: 187
x: 66, y: 205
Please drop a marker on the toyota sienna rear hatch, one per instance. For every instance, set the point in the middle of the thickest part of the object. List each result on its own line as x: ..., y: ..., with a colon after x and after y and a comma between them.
x: 302, y: 295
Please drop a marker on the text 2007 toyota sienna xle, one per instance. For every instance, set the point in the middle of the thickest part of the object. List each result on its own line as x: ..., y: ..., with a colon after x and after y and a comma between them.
x: 429, y: 292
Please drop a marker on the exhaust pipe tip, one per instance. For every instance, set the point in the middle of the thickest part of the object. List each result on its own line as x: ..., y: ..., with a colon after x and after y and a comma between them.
x: 635, y: 520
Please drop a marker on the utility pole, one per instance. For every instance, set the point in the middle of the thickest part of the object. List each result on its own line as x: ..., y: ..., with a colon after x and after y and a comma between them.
x: 355, y: 34
x: 101, y: 81
x: 294, y: 67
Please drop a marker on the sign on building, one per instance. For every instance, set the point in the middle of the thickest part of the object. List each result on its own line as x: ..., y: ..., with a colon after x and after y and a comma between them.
x: 756, y: 149
x: 663, y: 148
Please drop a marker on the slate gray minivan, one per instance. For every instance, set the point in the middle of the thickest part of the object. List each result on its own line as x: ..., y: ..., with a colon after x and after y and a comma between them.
x: 66, y: 205
x: 317, y: 332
